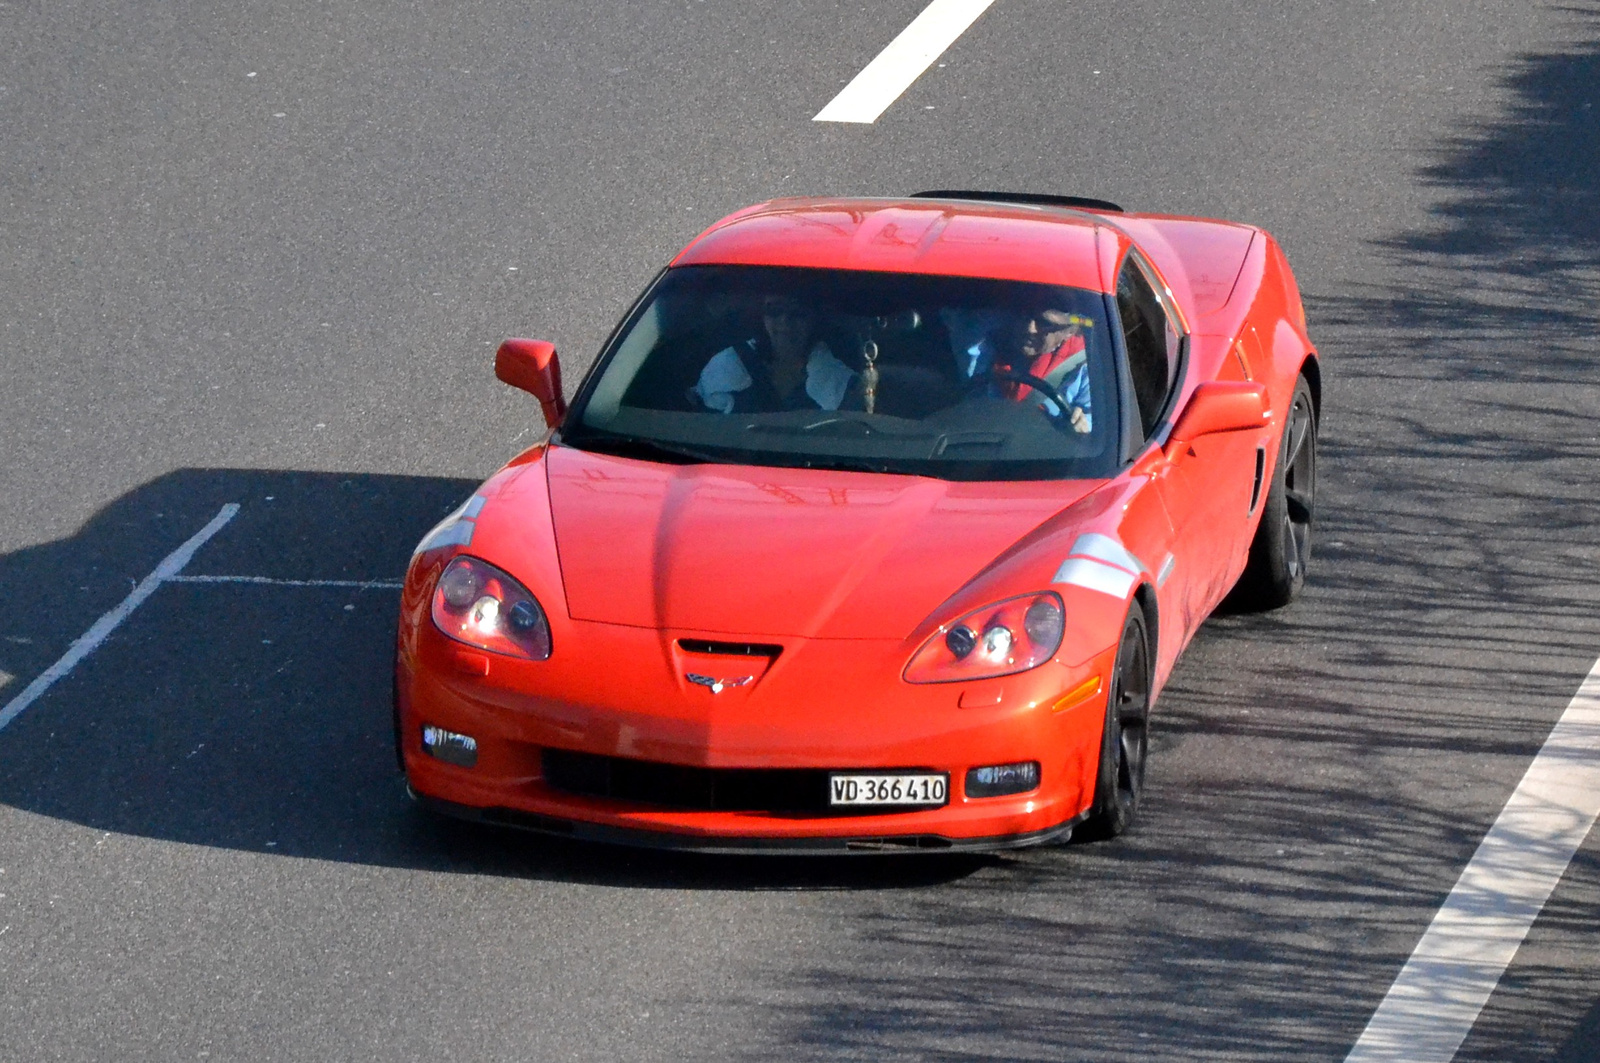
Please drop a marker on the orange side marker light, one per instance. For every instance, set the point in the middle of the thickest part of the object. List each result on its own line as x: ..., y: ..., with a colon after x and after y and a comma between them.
x: 1078, y: 694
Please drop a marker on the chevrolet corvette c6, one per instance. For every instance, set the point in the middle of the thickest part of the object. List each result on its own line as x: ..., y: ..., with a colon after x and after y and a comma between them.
x: 876, y: 524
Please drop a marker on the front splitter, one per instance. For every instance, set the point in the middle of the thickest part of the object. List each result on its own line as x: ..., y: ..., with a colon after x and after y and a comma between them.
x: 655, y: 839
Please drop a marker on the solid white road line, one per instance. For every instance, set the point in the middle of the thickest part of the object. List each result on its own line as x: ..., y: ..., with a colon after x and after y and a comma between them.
x: 1435, y: 1000
x: 90, y: 640
x: 358, y: 584
x: 903, y: 61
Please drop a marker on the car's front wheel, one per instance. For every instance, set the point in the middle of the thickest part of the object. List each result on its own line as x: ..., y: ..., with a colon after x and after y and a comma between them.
x: 1125, y: 740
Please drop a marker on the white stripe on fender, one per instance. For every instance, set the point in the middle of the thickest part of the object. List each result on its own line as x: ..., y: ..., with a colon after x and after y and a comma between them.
x: 1441, y: 989
x: 90, y: 640
x: 882, y: 81
x: 455, y: 529
x: 1104, y: 548
x: 1095, y: 576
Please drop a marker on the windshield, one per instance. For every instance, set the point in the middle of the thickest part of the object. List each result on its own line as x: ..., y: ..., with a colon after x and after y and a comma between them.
x: 959, y: 378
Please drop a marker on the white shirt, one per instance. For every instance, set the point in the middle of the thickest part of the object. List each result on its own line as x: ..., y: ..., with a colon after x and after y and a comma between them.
x: 725, y: 375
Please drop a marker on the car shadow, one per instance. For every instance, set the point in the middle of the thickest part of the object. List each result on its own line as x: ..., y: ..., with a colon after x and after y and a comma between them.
x: 256, y: 716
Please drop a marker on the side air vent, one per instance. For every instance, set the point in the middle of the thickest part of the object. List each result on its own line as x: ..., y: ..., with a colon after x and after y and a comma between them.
x: 1261, y: 468
x: 731, y: 649
x: 1040, y: 199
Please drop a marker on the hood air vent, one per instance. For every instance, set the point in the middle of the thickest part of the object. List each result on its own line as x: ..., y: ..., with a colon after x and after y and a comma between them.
x: 731, y: 649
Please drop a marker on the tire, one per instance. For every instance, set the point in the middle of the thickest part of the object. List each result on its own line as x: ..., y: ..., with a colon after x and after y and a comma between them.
x: 1280, y: 554
x: 1125, y: 740
x: 394, y: 703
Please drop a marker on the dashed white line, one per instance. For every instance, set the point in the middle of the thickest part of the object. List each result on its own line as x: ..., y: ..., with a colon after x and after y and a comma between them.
x: 1440, y: 991
x: 266, y: 581
x: 90, y: 640
x: 882, y: 81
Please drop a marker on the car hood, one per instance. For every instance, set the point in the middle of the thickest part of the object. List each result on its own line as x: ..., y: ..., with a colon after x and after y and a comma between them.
x: 769, y: 551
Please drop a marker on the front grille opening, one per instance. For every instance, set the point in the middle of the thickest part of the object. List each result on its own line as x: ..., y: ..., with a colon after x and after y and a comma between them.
x: 731, y: 649
x: 676, y: 786
x: 791, y: 791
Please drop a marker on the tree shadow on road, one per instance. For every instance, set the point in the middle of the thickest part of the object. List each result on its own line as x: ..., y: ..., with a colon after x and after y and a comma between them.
x: 1324, y: 772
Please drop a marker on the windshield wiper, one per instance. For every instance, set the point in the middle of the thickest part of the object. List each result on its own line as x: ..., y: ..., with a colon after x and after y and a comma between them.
x: 645, y: 449
x: 674, y: 454
x: 837, y: 426
x: 837, y: 464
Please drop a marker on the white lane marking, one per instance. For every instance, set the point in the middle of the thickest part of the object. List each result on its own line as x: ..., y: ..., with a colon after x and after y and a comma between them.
x: 358, y: 584
x: 882, y: 81
x: 1438, y: 994
x: 90, y: 640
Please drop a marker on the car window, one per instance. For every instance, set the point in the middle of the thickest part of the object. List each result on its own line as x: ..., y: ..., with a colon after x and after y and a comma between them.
x: 1151, y: 339
x: 958, y: 378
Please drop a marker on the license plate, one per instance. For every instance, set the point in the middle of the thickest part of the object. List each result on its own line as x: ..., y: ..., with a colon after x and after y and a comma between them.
x: 867, y: 789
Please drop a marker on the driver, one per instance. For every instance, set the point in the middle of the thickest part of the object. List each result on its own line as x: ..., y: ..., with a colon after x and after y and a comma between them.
x: 784, y: 367
x: 1050, y: 346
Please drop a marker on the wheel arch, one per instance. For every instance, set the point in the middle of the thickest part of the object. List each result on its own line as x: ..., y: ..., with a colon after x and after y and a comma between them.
x: 1311, y: 369
x: 1145, y: 596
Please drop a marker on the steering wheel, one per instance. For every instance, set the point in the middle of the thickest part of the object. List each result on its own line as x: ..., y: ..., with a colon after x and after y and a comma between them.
x: 1044, y: 387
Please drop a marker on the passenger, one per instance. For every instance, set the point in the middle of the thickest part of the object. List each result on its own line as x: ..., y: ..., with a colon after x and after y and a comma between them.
x: 785, y: 367
x: 971, y: 340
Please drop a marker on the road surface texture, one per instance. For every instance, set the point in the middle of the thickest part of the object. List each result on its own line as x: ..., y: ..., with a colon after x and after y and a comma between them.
x: 262, y: 254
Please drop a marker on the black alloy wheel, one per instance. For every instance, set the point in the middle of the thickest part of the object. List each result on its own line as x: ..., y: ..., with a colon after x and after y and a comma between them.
x: 1280, y: 554
x: 1125, y: 742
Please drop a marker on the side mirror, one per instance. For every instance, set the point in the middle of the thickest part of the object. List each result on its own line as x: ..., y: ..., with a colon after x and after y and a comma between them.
x: 532, y: 366
x: 1220, y: 406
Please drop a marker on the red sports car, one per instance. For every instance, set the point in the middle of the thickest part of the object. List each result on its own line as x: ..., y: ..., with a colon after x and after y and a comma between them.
x: 876, y: 525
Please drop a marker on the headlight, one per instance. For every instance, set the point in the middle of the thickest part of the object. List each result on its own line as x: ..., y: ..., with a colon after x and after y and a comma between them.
x: 1000, y: 639
x: 478, y: 604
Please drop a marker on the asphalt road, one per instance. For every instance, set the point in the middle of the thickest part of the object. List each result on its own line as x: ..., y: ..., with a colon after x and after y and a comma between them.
x: 261, y: 253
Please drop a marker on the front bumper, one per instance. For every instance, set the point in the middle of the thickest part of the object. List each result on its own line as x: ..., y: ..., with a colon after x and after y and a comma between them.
x: 834, y: 705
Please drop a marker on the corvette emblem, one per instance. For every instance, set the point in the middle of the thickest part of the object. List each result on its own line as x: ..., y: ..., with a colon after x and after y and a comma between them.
x: 717, y: 686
